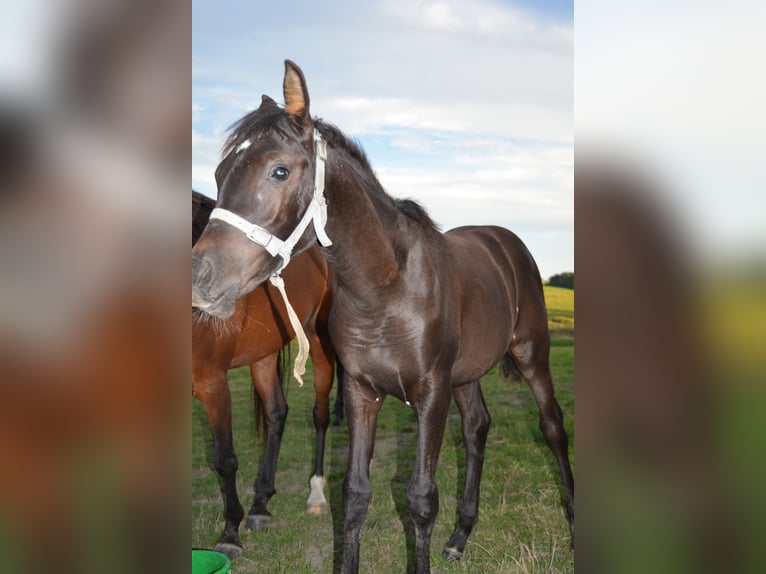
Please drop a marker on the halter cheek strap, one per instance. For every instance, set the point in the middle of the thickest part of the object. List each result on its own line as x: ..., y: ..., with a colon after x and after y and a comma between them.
x: 316, y: 213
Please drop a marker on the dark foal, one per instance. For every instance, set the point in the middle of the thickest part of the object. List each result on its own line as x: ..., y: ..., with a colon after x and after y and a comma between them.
x: 417, y: 314
x: 254, y: 335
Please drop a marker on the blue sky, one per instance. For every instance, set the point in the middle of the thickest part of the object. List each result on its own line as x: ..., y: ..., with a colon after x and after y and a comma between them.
x: 465, y: 106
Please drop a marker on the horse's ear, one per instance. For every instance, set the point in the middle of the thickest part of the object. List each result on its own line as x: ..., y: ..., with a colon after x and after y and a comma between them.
x: 267, y: 101
x: 296, y: 93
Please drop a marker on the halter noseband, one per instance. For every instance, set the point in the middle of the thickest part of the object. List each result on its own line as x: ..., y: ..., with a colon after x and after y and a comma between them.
x: 316, y: 212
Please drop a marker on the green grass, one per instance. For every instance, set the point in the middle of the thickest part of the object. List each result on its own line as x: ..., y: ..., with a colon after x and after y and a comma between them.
x: 522, y: 525
x: 560, y: 303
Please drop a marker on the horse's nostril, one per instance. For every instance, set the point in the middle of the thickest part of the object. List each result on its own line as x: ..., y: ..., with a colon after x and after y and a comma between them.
x: 202, y: 271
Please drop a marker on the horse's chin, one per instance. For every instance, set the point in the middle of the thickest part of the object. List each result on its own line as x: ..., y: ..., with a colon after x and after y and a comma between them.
x: 221, y: 307
x: 256, y: 281
x: 219, y: 312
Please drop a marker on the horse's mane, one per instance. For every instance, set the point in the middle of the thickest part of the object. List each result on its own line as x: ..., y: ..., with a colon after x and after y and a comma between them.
x: 416, y: 212
x: 201, y: 208
x: 265, y: 120
x: 408, y: 207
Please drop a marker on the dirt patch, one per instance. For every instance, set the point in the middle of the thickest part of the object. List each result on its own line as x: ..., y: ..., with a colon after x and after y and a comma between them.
x: 314, y: 557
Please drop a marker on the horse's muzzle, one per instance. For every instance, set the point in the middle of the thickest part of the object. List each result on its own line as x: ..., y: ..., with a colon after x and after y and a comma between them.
x: 207, y: 294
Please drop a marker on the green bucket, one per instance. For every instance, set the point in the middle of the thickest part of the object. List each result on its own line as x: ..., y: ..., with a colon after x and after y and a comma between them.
x: 210, y: 562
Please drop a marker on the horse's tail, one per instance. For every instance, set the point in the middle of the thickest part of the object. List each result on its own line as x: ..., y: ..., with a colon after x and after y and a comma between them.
x: 283, y: 364
x: 509, y: 367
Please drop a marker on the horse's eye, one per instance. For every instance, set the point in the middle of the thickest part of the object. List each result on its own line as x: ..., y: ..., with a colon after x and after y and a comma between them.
x: 280, y: 173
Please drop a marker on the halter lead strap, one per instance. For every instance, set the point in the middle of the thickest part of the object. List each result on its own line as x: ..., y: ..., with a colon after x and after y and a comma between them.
x: 316, y: 213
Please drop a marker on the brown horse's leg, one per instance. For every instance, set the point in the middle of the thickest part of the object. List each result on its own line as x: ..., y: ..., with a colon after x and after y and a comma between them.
x: 322, y: 359
x: 422, y: 492
x: 534, y: 365
x: 362, y: 409
x: 475, y: 420
x: 214, y: 394
x: 266, y: 384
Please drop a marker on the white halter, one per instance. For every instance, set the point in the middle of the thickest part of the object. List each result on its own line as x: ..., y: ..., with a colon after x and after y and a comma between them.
x: 316, y: 212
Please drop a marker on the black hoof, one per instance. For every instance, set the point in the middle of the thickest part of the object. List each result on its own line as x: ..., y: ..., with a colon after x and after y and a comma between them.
x: 233, y: 551
x: 451, y: 553
x: 258, y: 522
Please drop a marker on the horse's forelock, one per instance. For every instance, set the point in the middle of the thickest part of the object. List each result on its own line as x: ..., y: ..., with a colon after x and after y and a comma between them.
x: 254, y: 126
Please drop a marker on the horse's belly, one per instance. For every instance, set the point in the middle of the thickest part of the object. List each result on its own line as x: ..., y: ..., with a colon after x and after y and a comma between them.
x: 478, y: 354
x: 486, y: 326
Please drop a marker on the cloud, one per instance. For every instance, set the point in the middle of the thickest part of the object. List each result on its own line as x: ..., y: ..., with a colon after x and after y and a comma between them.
x: 372, y: 115
x: 481, y: 19
x: 508, y: 187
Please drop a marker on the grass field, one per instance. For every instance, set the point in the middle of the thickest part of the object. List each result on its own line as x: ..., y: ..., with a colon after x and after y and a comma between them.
x: 522, y: 525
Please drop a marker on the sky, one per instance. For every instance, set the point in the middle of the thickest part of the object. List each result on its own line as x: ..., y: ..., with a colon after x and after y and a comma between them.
x: 465, y: 106
x: 677, y: 92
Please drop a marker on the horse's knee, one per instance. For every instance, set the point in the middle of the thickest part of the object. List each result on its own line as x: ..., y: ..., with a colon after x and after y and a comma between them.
x: 276, y: 415
x: 357, y: 488
x: 321, y: 416
x: 226, y: 464
x: 423, y: 498
x: 356, y: 500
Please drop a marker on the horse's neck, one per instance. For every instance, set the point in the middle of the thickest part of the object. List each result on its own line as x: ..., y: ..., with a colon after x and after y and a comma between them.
x: 362, y: 254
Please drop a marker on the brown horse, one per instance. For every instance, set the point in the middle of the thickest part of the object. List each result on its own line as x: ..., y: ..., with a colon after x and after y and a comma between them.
x: 255, y: 334
x: 417, y: 314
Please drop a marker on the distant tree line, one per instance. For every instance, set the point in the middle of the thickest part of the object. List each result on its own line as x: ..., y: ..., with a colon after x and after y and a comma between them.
x: 565, y: 280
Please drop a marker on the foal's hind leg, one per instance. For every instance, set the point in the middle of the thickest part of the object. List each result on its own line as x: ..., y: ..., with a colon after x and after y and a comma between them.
x: 213, y: 391
x: 533, y: 362
x: 475, y: 420
x: 266, y: 383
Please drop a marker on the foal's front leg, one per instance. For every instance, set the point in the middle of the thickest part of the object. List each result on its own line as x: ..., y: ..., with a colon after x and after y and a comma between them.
x: 362, y: 409
x: 422, y: 492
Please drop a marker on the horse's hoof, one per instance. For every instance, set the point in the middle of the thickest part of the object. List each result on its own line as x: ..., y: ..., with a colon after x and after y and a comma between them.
x: 451, y: 554
x: 317, y: 508
x: 232, y: 551
x: 258, y: 522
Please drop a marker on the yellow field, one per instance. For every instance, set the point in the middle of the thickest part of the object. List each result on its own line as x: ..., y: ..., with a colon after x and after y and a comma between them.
x: 560, y: 303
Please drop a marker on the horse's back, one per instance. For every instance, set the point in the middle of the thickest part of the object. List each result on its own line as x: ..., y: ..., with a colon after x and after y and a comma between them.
x: 503, y: 247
